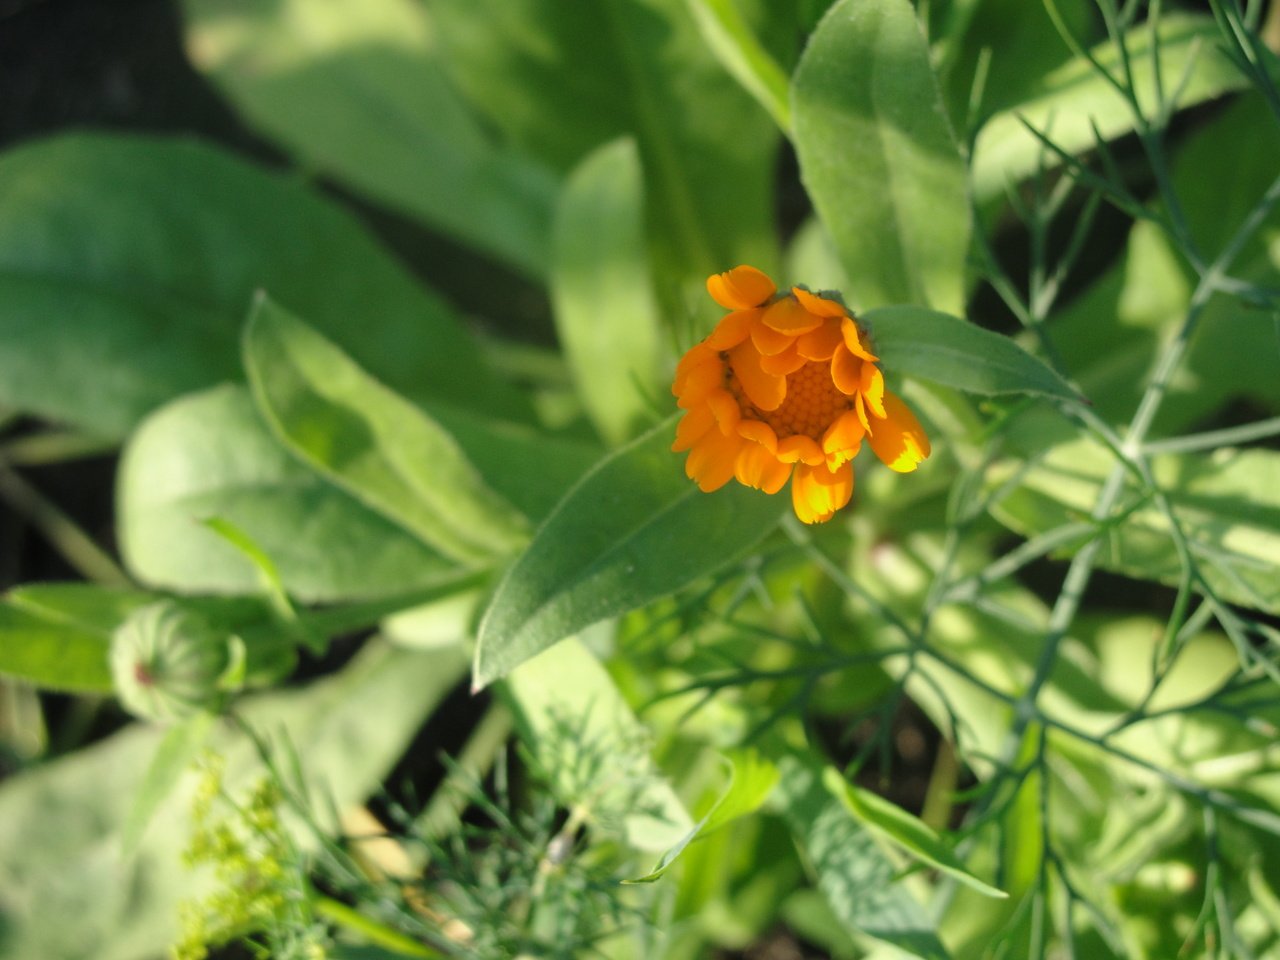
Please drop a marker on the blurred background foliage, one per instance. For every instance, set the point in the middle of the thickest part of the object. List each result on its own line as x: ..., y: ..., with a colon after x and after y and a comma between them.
x: 1022, y: 703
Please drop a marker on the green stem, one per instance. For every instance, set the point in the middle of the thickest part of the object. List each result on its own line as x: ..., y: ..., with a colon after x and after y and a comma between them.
x: 375, y: 933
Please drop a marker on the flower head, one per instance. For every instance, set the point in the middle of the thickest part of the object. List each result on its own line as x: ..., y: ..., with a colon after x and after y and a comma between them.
x: 786, y: 388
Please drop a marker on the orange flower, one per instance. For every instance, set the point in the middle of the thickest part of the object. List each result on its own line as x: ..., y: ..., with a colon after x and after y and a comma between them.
x: 785, y: 388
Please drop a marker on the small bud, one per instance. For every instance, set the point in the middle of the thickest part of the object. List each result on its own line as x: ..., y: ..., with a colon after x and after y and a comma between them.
x: 168, y: 663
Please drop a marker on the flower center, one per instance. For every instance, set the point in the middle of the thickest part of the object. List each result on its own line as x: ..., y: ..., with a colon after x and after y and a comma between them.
x: 811, y: 405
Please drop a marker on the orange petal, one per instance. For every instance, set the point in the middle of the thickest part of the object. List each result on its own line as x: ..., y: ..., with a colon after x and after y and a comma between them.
x: 899, y: 439
x: 692, y: 427
x: 732, y: 329
x: 784, y: 363
x: 861, y: 409
x: 818, y: 306
x: 871, y: 386
x: 740, y: 288
x: 846, y: 370
x: 725, y: 409
x: 817, y: 493
x: 799, y: 447
x: 789, y: 317
x: 820, y: 343
x: 843, y: 439
x: 712, y: 459
x: 853, y: 339
x: 761, y: 433
x: 698, y: 356
x: 699, y: 384
x: 757, y: 467
x: 765, y: 390
x: 768, y: 340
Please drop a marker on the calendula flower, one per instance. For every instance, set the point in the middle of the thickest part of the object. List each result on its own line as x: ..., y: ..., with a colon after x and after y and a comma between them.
x: 785, y: 388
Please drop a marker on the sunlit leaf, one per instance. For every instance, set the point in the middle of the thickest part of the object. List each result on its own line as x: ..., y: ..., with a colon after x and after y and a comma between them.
x: 370, y: 441
x: 1073, y: 99
x: 907, y: 831
x: 353, y: 87
x: 127, y: 265
x: 633, y: 530
x: 210, y: 455
x: 878, y: 157
x: 751, y: 780
x: 735, y: 45
x: 945, y: 349
x: 602, y: 291
x: 640, y: 68
x: 1227, y: 503
x: 858, y: 879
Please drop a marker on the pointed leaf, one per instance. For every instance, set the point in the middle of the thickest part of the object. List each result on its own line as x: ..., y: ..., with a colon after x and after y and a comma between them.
x: 878, y: 157
x: 634, y: 529
x: 127, y: 265
x: 605, y: 309
x: 947, y: 350
x: 211, y: 455
x: 908, y: 832
x: 371, y: 441
x: 858, y: 879
x: 355, y: 89
x: 751, y: 780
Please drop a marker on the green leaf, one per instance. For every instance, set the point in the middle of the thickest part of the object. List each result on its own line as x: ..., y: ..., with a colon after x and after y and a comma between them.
x: 371, y: 441
x: 602, y: 291
x: 735, y: 45
x: 860, y: 882
x: 127, y: 265
x: 173, y: 757
x: 575, y: 719
x: 210, y: 455
x: 1227, y: 502
x: 639, y: 68
x: 634, y: 529
x: 61, y: 822
x: 53, y: 653
x: 1072, y: 99
x: 947, y: 350
x: 908, y: 832
x: 751, y: 780
x: 354, y: 89
x: 878, y: 158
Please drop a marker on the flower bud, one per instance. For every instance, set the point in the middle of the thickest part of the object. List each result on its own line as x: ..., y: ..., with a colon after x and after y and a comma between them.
x: 168, y: 662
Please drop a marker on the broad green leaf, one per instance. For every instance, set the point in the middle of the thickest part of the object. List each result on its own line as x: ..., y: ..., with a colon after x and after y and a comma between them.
x: 856, y: 876
x: 1018, y: 41
x: 735, y: 45
x: 878, y: 157
x: 1073, y: 99
x: 210, y: 455
x: 1227, y: 502
x: 371, y: 441
x: 575, y: 720
x: 939, y: 347
x: 71, y: 893
x: 634, y: 529
x: 174, y: 755
x: 640, y: 68
x: 602, y: 291
x: 52, y: 653
x: 900, y: 827
x: 751, y: 780
x: 353, y: 87
x: 127, y: 265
